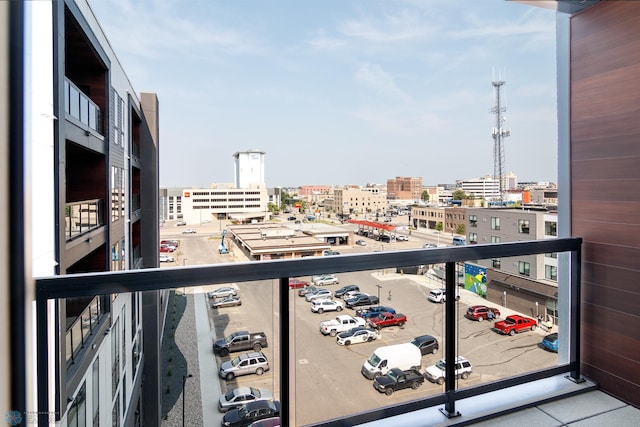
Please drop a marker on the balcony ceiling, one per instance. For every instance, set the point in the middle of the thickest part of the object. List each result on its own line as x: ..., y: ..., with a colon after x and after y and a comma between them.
x: 565, y: 6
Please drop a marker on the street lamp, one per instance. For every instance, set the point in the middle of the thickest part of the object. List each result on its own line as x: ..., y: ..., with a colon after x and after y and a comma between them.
x: 184, y: 380
x: 379, y: 287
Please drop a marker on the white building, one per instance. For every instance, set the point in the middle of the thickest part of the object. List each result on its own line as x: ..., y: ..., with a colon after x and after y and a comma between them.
x: 249, y: 169
x: 485, y: 187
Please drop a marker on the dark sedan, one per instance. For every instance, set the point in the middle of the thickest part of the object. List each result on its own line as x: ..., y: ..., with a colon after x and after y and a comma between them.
x: 360, y: 300
x: 343, y: 290
x: 251, y: 412
x: 307, y: 289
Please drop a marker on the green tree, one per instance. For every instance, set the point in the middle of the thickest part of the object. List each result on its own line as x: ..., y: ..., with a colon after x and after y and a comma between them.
x: 439, y: 226
x: 459, y: 195
x: 425, y: 196
x: 460, y: 229
x: 273, y: 208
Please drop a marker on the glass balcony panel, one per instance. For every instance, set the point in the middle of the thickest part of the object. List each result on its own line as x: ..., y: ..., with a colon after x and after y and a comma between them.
x: 76, y: 332
x: 74, y: 102
x: 69, y: 346
x: 84, y: 110
x: 82, y: 217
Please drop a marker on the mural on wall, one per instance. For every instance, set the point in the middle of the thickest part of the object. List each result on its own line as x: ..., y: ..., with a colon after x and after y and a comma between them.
x: 475, y: 279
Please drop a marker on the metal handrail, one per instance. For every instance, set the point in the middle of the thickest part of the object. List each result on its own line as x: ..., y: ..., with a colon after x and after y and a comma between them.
x: 77, y: 285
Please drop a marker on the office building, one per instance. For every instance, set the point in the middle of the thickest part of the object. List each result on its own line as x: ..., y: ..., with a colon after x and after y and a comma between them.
x: 248, y: 169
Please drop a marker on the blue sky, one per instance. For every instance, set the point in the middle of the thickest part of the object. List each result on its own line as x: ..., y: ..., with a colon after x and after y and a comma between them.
x: 341, y: 91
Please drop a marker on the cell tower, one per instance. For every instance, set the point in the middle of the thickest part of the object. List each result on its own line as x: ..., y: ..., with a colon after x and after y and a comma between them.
x: 499, y: 133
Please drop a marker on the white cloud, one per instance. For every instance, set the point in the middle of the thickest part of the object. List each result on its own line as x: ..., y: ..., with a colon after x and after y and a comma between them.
x: 374, y: 77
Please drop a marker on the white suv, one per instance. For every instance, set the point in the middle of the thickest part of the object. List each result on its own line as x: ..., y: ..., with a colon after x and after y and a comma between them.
x: 322, y: 305
x: 439, y: 295
x: 436, y: 373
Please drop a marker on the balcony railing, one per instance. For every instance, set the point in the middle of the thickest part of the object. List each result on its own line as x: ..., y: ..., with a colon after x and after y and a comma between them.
x: 82, y: 217
x: 82, y: 328
x: 81, y: 107
x: 281, y: 270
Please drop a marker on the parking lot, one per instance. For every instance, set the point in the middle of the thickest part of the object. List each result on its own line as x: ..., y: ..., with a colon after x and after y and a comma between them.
x: 327, y: 378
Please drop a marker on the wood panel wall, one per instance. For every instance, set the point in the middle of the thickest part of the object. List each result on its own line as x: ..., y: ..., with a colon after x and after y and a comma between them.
x: 605, y: 190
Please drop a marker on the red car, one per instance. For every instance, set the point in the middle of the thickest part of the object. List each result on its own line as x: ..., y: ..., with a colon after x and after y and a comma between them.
x: 384, y: 320
x: 166, y: 248
x: 297, y: 284
x: 482, y: 312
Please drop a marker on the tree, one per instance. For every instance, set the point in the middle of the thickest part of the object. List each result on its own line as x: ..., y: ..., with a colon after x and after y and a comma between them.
x: 273, y: 208
x: 459, y: 195
x: 425, y: 196
x: 460, y: 229
x: 439, y: 226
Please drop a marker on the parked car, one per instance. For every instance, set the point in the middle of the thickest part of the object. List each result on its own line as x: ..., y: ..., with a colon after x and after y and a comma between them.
x: 550, y: 342
x: 297, y: 283
x: 361, y: 300
x: 373, y: 311
x: 308, y: 289
x: 384, y: 238
x: 481, y: 312
x: 180, y: 223
x: 173, y: 243
x: 291, y: 218
x: 167, y: 248
x: 226, y: 302
x: 166, y: 258
x: 351, y: 294
x: 266, y: 422
x: 426, y: 343
x: 240, y: 341
x: 361, y: 242
x: 325, y: 279
x: 251, y: 412
x: 241, y: 396
x: 356, y: 335
x: 320, y: 305
x: 397, y: 379
x: 515, y: 323
x: 320, y: 293
x: 385, y: 320
x: 329, y: 253
x: 189, y: 231
x: 223, y: 292
x: 246, y: 363
x: 343, y: 290
x: 402, y: 238
x: 436, y: 373
x: 439, y: 295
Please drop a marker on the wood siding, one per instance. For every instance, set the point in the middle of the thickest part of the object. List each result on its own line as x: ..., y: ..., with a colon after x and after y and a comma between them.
x: 605, y: 190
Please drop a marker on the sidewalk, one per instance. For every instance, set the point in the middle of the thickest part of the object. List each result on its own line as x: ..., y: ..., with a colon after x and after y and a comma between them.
x: 202, y: 390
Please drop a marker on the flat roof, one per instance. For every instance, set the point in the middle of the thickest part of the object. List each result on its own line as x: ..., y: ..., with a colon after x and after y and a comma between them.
x: 263, y: 238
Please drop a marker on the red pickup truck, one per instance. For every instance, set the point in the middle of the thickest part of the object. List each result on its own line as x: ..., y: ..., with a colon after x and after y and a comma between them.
x: 387, y: 319
x: 515, y: 323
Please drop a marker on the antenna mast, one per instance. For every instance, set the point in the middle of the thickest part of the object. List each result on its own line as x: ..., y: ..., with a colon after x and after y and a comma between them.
x: 499, y: 134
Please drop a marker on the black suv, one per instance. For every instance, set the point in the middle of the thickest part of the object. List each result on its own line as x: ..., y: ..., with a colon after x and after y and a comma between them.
x: 426, y: 343
x: 343, y: 290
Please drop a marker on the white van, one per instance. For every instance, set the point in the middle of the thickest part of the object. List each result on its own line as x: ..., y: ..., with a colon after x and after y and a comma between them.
x: 402, y: 356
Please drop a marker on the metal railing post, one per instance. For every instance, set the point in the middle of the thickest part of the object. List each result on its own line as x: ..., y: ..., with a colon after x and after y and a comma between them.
x: 285, y: 342
x: 449, y: 409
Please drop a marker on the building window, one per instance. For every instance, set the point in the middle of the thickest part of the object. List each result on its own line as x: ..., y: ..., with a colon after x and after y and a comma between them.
x: 495, y: 262
x: 551, y: 255
x: 523, y: 226
x: 550, y: 228
x: 473, y: 220
x: 115, y: 357
x: 495, y: 239
x: 551, y: 272
x: 495, y: 223
x: 473, y: 237
x: 95, y: 391
x: 77, y: 412
x: 524, y: 268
